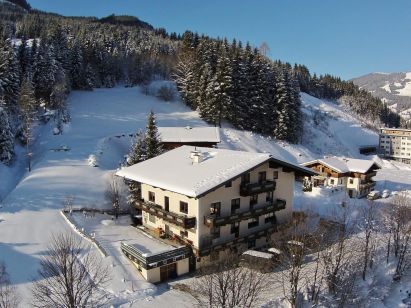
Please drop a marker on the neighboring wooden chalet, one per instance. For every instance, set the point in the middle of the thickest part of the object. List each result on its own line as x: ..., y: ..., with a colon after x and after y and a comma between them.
x: 214, y: 199
x: 355, y: 175
x: 174, y: 137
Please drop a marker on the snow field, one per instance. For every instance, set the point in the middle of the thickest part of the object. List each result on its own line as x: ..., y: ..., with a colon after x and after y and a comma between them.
x: 32, y: 201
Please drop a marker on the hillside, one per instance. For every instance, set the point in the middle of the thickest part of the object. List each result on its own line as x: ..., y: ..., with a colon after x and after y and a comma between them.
x: 101, y: 122
x: 393, y: 88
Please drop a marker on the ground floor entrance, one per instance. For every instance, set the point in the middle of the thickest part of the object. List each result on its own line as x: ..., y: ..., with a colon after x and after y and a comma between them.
x: 168, y: 271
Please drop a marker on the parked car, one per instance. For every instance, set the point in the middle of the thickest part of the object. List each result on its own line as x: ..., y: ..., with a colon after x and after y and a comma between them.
x: 385, y: 193
x: 375, y: 194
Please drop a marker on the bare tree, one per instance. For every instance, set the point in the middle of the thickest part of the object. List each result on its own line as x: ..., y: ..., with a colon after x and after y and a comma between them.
x: 368, y: 225
x: 226, y: 284
x: 8, y: 294
x: 264, y: 49
x: 341, y: 263
x: 114, y: 195
x: 292, y: 267
x: 70, y: 275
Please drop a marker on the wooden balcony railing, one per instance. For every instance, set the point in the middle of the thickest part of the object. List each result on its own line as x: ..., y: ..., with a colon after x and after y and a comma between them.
x: 269, y: 207
x: 171, y: 217
x: 207, y: 245
x: 367, y: 185
x: 368, y: 175
x: 256, y: 188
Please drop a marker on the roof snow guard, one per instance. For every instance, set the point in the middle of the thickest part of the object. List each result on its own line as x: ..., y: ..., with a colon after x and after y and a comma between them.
x: 178, y: 171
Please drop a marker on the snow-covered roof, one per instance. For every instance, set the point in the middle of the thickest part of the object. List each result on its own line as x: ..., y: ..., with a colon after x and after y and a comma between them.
x: 259, y: 254
x: 344, y: 165
x: 189, y: 134
x: 176, y: 171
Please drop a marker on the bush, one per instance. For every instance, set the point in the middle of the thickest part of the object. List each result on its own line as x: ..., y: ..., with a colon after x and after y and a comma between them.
x: 165, y: 93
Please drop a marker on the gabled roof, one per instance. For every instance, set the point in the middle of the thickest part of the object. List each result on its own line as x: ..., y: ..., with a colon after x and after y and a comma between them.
x: 344, y: 165
x: 175, y: 170
x: 189, y: 134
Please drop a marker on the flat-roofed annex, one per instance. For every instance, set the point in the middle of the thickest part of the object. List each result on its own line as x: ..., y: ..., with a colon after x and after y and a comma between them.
x: 177, y: 171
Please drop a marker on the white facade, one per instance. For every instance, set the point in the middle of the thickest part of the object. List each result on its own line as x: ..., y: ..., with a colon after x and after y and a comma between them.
x: 396, y: 144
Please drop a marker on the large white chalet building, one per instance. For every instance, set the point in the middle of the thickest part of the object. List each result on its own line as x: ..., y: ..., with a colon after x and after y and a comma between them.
x: 214, y: 199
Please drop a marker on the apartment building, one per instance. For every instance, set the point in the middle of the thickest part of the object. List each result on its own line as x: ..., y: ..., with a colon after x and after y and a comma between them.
x: 215, y: 199
x: 354, y: 175
x: 395, y: 143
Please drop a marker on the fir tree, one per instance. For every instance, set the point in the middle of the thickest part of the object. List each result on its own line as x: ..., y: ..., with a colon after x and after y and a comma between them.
x: 152, y: 140
x: 6, y: 138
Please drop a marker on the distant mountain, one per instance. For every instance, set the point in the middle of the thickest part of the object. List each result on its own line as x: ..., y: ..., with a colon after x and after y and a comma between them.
x: 392, y: 88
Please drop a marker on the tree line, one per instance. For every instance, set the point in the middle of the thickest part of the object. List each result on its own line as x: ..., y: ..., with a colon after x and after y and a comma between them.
x: 43, y: 56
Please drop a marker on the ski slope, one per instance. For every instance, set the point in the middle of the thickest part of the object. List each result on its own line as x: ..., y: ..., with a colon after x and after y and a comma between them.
x: 30, y: 202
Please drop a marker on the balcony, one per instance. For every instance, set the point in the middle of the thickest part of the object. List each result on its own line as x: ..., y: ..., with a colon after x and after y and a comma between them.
x: 269, y: 207
x: 208, y: 244
x: 366, y: 185
x: 368, y: 176
x: 171, y: 217
x: 256, y: 188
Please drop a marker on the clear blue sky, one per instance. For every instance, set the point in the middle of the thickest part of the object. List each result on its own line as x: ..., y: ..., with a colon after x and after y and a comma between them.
x: 347, y: 38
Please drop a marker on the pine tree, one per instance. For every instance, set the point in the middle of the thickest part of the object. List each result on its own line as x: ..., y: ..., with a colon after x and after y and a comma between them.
x: 44, y: 71
x: 137, y: 154
x: 77, y: 71
x: 152, y: 139
x: 9, y: 77
x: 6, y: 138
x: 28, y: 108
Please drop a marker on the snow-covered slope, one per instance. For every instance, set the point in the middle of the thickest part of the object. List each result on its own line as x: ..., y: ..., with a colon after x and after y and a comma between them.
x: 101, y: 122
x: 393, y: 88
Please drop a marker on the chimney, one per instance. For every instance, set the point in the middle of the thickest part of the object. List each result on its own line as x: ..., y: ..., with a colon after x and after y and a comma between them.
x: 197, y: 158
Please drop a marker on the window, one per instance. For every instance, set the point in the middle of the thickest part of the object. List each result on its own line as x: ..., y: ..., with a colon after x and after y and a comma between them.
x: 151, y: 196
x: 351, y: 181
x: 269, y: 218
x: 235, y: 227
x: 167, y: 203
x: 228, y: 184
x: 152, y: 218
x: 332, y: 181
x: 262, y: 177
x: 251, y: 243
x: 269, y: 196
x: 245, y: 178
x: 183, y: 207
x: 215, y: 208
x: 235, y: 205
x: 253, y: 222
x: 275, y: 175
x: 183, y: 233
x: 215, y: 232
x: 253, y: 200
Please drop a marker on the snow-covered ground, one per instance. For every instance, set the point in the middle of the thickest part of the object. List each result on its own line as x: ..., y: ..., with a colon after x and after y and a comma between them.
x: 31, y: 201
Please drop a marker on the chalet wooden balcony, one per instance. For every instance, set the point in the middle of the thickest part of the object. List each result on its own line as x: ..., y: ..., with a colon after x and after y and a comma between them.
x: 368, y: 176
x: 256, y: 188
x: 366, y: 185
x: 171, y: 217
x: 207, y: 245
x: 270, y: 207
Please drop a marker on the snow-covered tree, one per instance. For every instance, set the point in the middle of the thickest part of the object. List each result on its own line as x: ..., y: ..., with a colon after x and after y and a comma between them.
x: 6, y: 138
x: 152, y: 139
